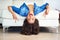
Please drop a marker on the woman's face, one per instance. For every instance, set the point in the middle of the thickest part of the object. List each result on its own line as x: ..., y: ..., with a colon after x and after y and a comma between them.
x: 30, y: 18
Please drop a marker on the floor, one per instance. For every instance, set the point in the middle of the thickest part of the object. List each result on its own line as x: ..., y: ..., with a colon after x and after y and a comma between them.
x: 18, y: 36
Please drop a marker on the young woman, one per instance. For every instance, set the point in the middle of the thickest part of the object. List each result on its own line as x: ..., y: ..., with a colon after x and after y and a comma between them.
x: 31, y: 25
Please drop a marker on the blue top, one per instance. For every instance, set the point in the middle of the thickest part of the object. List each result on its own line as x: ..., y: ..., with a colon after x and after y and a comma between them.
x: 24, y: 10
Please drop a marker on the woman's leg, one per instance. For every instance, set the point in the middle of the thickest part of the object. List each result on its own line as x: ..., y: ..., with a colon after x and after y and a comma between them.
x: 15, y: 9
x: 38, y: 9
x: 11, y: 8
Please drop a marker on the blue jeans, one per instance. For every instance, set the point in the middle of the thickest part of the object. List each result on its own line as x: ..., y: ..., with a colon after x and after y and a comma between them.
x: 24, y: 10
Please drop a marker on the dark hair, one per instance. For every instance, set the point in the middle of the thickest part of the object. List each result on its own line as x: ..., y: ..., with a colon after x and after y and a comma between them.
x: 30, y: 28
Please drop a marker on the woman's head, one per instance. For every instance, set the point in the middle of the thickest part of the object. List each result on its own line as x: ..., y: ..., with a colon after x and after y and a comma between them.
x: 31, y: 17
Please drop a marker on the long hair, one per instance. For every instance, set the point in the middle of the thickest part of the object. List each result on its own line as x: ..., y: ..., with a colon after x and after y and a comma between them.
x: 30, y: 28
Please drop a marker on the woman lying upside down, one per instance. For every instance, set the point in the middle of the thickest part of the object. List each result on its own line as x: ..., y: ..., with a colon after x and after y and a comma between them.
x: 31, y: 25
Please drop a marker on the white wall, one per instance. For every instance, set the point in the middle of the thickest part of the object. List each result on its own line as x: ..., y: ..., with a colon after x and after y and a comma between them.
x: 55, y: 4
x: 4, y: 3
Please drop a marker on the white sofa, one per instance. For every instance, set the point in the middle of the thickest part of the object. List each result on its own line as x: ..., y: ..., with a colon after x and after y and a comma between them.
x: 51, y: 20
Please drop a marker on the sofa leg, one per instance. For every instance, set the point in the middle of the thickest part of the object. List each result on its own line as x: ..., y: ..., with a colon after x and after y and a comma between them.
x: 3, y: 29
x: 57, y: 30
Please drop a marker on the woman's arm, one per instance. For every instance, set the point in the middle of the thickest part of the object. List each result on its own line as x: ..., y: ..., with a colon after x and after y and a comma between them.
x: 12, y: 12
x: 46, y: 11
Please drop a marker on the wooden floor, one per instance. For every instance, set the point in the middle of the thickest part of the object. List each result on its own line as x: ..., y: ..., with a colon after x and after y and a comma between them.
x: 18, y: 36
